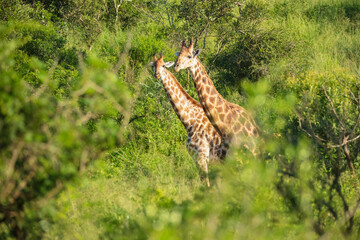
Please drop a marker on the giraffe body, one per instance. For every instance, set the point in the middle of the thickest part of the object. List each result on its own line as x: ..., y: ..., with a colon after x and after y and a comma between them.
x: 233, y: 122
x: 204, y: 143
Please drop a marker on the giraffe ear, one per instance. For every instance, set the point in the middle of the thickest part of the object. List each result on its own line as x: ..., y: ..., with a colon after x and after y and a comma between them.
x: 168, y: 64
x: 197, y: 52
x: 177, y: 54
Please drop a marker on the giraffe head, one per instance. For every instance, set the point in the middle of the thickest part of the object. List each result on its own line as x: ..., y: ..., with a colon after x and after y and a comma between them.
x: 159, y: 65
x: 186, y: 56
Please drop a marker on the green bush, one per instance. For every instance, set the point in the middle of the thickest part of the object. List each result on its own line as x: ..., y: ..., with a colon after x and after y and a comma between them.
x: 328, y: 112
x: 47, y: 140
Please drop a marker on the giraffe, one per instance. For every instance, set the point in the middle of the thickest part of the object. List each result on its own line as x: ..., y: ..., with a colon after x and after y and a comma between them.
x: 203, y: 142
x: 233, y: 122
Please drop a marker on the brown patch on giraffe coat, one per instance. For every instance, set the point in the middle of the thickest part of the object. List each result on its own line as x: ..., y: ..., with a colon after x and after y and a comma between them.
x: 204, y: 80
x: 196, y: 72
x: 248, y: 126
x: 233, y: 115
x: 228, y: 119
x: 204, y: 121
x: 236, y: 127
x: 215, y: 118
x: 222, y: 116
x: 213, y: 91
x: 242, y: 120
x: 207, y: 89
x: 212, y: 100
x: 220, y: 125
x: 220, y: 109
x: 218, y: 101
x: 192, y: 121
x: 180, y: 108
x: 227, y: 108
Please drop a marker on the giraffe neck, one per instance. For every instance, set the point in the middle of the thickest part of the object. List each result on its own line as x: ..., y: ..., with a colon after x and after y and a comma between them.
x: 214, y: 105
x: 182, y: 103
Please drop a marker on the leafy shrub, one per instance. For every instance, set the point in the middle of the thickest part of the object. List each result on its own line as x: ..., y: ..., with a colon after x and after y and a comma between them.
x: 45, y: 141
x: 329, y: 112
x: 256, y: 44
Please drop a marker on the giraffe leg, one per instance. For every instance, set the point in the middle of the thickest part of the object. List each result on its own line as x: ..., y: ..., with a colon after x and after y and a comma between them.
x: 203, y: 166
x: 253, y: 147
x: 200, y: 155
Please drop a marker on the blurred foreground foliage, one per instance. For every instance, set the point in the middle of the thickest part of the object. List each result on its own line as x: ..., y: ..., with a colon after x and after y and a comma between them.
x: 76, y: 86
x: 49, y: 136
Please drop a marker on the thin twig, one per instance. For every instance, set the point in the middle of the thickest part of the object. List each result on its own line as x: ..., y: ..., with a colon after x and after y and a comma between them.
x: 15, y: 154
x: 319, y: 140
x: 345, y: 142
x: 333, y: 108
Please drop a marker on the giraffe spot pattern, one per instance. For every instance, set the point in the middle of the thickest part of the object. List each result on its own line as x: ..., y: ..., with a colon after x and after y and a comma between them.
x: 228, y: 118
x: 220, y: 109
x: 195, y: 122
x: 218, y: 101
x: 237, y: 127
x: 212, y: 100
x: 204, y: 80
x: 208, y: 89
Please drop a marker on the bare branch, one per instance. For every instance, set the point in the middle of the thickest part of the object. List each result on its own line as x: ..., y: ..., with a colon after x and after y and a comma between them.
x: 135, y: 118
x: 348, y: 158
x: 345, y: 142
x: 25, y: 181
x: 333, y: 108
x: 311, y: 134
x: 358, y: 116
x: 15, y: 154
x: 350, y: 91
x: 350, y: 215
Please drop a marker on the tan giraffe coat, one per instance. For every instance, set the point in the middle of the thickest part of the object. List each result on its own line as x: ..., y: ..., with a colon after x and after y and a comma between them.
x: 234, y: 123
x: 204, y: 142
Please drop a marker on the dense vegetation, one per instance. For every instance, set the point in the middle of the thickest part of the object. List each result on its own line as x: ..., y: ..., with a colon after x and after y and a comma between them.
x: 90, y: 147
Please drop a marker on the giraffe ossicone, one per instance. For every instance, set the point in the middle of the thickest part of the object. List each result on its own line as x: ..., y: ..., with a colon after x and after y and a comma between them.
x: 204, y: 143
x: 233, y: 122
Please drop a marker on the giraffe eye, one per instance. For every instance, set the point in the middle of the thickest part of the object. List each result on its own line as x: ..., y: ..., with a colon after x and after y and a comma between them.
x: 189, y: 56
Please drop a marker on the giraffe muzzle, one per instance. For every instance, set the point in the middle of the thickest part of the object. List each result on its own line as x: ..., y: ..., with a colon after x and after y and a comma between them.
x: 176, y: 68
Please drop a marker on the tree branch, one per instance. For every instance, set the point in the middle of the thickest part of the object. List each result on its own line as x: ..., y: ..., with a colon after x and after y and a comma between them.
x: 333, y: 108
